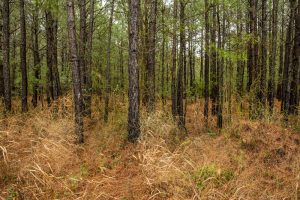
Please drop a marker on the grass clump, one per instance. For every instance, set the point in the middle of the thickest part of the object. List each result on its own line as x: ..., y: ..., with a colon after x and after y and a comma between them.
x: 209, y: 174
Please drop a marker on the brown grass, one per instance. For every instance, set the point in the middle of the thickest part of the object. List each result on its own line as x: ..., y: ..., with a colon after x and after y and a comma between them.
x: 247, y: 160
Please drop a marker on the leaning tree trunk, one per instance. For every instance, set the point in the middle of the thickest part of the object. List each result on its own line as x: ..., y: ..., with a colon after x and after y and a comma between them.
x: 23, y: 56
x: 6, y: 64
x: 133, y: 73
x: 107, y: 71
x: 75, y: 72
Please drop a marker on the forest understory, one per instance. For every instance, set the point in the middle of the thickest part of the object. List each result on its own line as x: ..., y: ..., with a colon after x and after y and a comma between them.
x: 39, y: 158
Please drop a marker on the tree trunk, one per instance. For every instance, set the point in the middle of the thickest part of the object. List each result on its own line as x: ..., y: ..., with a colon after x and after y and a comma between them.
x: 150, y: 68
x: 206, y: 64
x: 49, y: 53
x: 287, y: 72
x: 75, y: 72
x: 213, y: 66
x: 133, y: 73
x: 221, y: 45
x: 6, y: 61
x: 263, y: 67
x: 294, y: 101
x: 180, y: 75
x: 90, y: 55
x: 23, y: 56
x: 281, y: 58
x: 273, y: 53
x: 163, y: 59
x: 107, y: 71
x: 1, y: 62
x: 174, y: 60
x: 36, y: 57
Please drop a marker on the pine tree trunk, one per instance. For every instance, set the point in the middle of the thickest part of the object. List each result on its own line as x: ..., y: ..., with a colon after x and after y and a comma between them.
x: 213, y: 66
x: 89, y: 62
x: 180, y: 75
x: 273, y: 53
x: 174, y: 60
x: 107, y: 71
x: 49, y: 53
x: 1, y: 62
x: 294, y: 101
x: 287, y: 72
x: 23, y: 56
x: 150, y: 79
x: 206, y: 65
x: 6, y: 61
x: 133, y: 73
x: 281, y: 59
x: 36, y: 57
x: 75, y: 72
x: 264, y: 47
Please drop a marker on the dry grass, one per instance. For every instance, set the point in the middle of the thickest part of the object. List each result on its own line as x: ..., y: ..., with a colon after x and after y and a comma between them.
x: 247, y: 160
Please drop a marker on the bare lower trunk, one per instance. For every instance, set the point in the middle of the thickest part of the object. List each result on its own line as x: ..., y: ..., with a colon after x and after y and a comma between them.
x: 133, y: 73
x: 75, y: 72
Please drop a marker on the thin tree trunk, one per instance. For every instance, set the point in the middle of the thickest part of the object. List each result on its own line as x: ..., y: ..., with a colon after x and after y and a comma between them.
x: 6, y: 61
x: 163, y: 59
x: 281, y: 58
x: 75, y: 72
x: 213, y: 66
x: 49, y: 53
x: 264, y: 46
x: 206, y: 68
x: 273, y: 53
x: 36, y: 57
x: 133, y: 73
x: 107, y: 71
x: 23, y: 57
x: 174, y: 60
x: 221, y: 44
x: 180, y: 75
x: 90, y: 56
x: 150, y: 79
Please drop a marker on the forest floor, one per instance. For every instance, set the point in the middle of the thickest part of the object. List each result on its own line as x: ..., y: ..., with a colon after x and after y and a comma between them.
x: 247, y: 160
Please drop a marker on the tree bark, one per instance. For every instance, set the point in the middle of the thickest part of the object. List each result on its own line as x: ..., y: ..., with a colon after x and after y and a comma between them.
x: 133, y: 73
x: 107, y: 71
x: 273, y: 53
x: 23, y: 56
x: 287, y: 72
x: 150, y: 68
x: 6, y: 61
x: 264, y: 52
x: 75, y: 72
x: 206, y: 64
x: 180, y: 75
x: 174, y: 60
x: 36, y: 56
x: 294, y: 101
